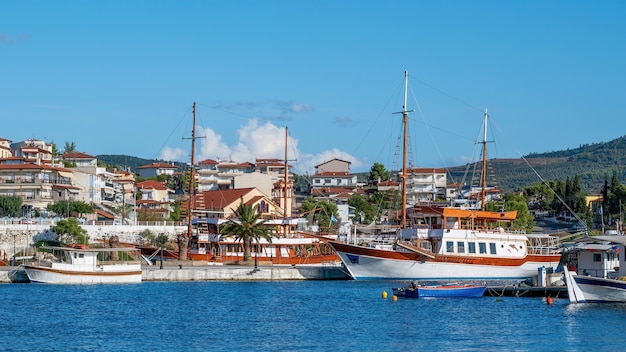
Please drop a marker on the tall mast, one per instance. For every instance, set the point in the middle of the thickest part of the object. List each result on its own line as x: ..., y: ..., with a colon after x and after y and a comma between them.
x: 192, y: 174
x: 405, y: 122
x: 285, y: 176
x: 483, y: 178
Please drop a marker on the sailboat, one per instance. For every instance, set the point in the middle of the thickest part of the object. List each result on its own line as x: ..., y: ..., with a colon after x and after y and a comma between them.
x: 290, y: 247
x: 436, y: 242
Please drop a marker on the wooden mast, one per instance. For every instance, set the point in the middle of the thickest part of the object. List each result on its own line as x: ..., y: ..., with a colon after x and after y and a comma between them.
x: 192, y: 175
x: 483, y: 178
x: 405, y: 122
x: 285, y: 178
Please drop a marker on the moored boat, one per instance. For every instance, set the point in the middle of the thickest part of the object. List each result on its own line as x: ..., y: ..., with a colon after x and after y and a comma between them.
x: 77, y: 265
x: 443, y: 242
x: 440, y: 290
x: 291, y: 248
x: 590, y: 289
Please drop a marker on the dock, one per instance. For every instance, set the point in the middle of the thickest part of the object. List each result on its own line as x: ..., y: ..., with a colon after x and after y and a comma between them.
x: 526, y: 291
x: 196, y: 271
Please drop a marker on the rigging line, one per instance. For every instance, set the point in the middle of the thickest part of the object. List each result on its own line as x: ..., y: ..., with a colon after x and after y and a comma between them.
x: 225, y: 111
x: 375, y: 123
x: 446, y: 94
x: 173, y: 130
x: 542, y: 179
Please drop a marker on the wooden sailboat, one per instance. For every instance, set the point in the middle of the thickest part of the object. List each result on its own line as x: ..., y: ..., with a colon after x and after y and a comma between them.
x: 291, y: 247
x: 448, y: 243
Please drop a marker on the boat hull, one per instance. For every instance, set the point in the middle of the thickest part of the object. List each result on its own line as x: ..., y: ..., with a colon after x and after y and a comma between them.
x: 587, y: 289
x: 40, y: 274
x: 373, y: 264
x: 435, y: 291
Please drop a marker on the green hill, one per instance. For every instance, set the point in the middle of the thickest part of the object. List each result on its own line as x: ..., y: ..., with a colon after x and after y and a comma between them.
x: 590, y: 162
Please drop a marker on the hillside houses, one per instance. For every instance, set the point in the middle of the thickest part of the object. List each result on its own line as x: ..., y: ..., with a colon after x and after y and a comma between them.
x: 32, y: 171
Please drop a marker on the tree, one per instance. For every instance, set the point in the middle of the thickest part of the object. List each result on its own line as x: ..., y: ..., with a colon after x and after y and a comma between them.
x: 247, y: 226
x: 68, y: 230
x: 378, y: 173
x: 67, y: 208
x: 362, y: 208
x: 524, y: 219
x: 10, y: 205
x: 70, y: 147
x: 176, y: 213
x: 323, y: 212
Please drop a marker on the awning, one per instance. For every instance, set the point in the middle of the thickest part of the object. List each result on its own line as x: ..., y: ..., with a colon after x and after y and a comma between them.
x: 65, y: 174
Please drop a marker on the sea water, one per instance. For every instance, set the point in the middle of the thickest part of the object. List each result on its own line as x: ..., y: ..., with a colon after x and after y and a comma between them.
x: 292, y: 316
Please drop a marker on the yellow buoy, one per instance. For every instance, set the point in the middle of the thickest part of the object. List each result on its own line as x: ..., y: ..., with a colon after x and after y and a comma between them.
x: 384, y: 294
x: 394, y: 298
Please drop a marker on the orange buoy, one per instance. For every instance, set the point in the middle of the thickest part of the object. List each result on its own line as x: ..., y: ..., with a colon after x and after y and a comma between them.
x: 549, y: 300
x: 394, y: 298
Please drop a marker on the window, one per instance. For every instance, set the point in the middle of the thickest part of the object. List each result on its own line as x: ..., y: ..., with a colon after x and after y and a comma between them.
x: 317, y: 180
x: 482, y: 247
x: 327, y: 181
x: 597, y: 257
x: 460, y: 247
x: 492, y: 248
x: 449, y: 246
x: 471, y: 248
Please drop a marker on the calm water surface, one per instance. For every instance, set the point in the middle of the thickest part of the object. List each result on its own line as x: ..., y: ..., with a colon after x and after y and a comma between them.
x: 292, y: 316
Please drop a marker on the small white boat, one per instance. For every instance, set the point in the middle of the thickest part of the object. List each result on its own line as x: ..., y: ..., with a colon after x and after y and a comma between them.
x: 589, y: 289
x: 81, y: 265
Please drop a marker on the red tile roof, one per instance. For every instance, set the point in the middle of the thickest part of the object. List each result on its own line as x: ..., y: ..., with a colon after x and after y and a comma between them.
x: 151, y: 184
x: 158, y: 165
x: 77, y: 155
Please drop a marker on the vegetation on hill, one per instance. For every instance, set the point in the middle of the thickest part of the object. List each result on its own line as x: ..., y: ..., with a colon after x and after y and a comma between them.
x: 591, y: 163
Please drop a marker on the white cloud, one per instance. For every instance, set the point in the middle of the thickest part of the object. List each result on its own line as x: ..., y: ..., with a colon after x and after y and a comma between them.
x: 257, y: 140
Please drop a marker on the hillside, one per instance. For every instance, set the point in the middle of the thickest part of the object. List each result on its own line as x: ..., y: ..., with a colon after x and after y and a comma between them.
x: 590, y: 162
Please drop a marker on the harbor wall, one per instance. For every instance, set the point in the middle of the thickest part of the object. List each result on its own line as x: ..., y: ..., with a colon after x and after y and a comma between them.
x: 215, y: 272
x: 16, y: 237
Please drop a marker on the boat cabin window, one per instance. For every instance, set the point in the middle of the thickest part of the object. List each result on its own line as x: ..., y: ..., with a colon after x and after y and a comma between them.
x: 597, y: 257
x: 482, y: 247
x: 449, y: 246
x: 460, y: 247
x: 492, y: 248
x: 471, y: 246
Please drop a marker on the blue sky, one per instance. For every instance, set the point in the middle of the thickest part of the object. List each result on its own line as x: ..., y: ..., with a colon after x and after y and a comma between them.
x: 120, y: 77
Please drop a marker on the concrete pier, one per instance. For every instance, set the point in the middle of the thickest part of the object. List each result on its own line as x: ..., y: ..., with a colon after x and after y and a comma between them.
x: 198, y: 272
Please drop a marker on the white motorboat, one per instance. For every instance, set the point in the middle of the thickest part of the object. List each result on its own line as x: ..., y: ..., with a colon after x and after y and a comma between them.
x: 81, y: 265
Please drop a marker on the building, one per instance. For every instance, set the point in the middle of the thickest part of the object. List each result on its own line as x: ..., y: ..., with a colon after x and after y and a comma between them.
x: 154, y: 199
x: 424, y: 185
x: 155, y: 169
x: 333, y: 173
x: 36, y: 185
x: 221, y: 204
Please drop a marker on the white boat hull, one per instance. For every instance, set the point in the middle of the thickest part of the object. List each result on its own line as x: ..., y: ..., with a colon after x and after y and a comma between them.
x: 116, y: 274
x: 374, y: 268
x: 587, y: 289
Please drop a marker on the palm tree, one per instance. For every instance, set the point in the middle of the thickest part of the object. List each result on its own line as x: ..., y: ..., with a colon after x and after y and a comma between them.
x: 247, y: 226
